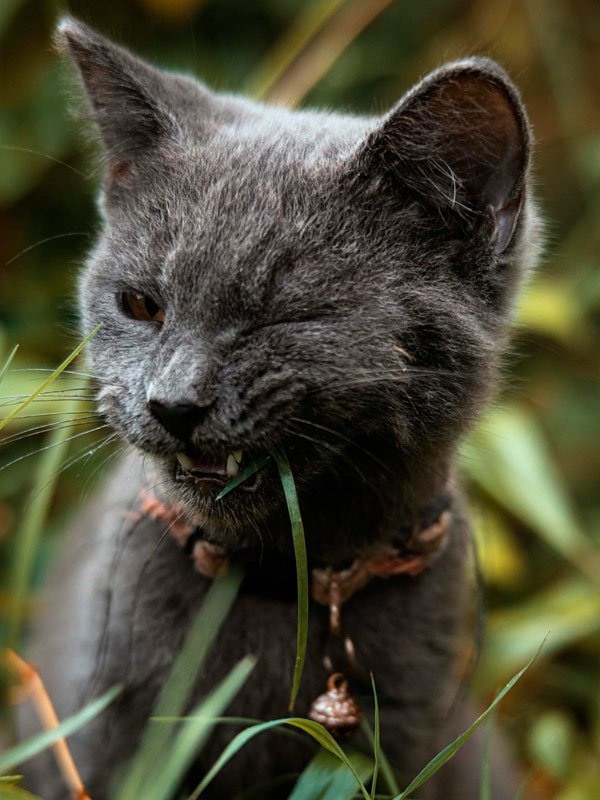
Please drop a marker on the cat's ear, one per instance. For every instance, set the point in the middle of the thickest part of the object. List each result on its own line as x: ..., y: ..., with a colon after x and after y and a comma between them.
x: 460, y: 139
x: 128, y: 98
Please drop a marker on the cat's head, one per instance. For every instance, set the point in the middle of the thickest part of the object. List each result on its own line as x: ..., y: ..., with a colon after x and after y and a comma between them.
x: 334, y: 285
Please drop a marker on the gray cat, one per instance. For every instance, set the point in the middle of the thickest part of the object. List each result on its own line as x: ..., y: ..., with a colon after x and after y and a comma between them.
x: 335, y: 286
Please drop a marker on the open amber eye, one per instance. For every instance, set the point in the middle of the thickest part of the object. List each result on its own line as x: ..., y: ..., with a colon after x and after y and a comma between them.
x: 140, y: 306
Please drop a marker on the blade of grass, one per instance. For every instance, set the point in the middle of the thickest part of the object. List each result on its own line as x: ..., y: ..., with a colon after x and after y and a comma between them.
x: 41, y: 741
x: 376, y: 737
x: 51, y: 377
x: 323, y: 51
x: 485, y: 792
x: 176, y: 692
x: 304, y: 28
x: 243, y: 476
x: 8, y: 362
x: 448, y: 752
x: 327, y: 778
x: 291, y: 498
x: 193, y: 734
x: 32, y: 523
x: 313, y: 729
x: 386, y: 767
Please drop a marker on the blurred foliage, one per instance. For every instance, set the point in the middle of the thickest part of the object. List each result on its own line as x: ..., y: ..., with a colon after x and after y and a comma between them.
x: 533, y: 464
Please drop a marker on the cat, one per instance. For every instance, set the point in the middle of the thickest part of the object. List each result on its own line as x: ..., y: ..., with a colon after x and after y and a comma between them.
x: 340, y: 288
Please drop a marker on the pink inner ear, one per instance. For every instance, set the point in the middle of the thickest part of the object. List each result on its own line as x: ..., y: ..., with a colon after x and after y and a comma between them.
x: 506, y: 222
x: 460, y: 140
x: 119, y: 171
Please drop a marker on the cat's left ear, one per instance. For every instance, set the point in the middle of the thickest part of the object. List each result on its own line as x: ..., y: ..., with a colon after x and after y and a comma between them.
x: 128, y: 98
x: 461, y: 141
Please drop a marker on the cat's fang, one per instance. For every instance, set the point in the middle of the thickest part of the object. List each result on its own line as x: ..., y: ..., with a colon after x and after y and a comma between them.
x: 238, y: 455
x: 185, y: 461
x: 233, y: 468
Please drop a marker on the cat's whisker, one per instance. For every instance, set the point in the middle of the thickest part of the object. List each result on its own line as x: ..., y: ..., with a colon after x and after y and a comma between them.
x: 43, y: 241
x: 402, y: 377
x: 49, y: 369
x: 47, y: 428
x: 54, y: 444
x: 95, y: 379
x: 73, y: 414
x: 167, y: 531
x: 48, y: 393
x: 120, y: 451
x: 38, y: 400
x: 330, y: 447
x: 51, y: 393
x: 340, y: 435
x: 84, y: 453
x: 19, y: 149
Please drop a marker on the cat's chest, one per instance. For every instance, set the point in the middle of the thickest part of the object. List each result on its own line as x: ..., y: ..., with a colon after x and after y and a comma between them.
x: 403, y: 630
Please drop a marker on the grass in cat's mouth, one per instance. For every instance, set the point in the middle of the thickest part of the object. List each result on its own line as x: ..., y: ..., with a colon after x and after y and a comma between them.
x: 203, y: 469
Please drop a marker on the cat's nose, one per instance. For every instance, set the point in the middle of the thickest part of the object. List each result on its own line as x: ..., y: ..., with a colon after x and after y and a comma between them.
x: 179, y: 418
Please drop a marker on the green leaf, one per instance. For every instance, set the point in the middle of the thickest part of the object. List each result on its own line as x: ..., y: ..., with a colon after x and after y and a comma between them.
x: 52, y: 377
x: 291, y: 497
x: 550, y: 308
x: 147, y: 763
x: 508, y: 458
x: 32, y: 523
x: 41, y: 741
x: 243, y: 476
x: 8, y: 362
x: 568, y: 609
x: 551, y: 743
x: 327, y: 778
x: 8, y: 8
x: 191, y: 736
x: 448, y: 752
x: 376, y: 738
x: 14, y: 792
x: 313, y: 729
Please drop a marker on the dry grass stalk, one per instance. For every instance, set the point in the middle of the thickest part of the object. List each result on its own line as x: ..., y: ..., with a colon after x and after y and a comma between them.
x: 320, y: 54
x: 31, y: 687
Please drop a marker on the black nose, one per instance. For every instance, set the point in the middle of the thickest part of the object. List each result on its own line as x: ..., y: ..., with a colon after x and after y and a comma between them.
x: 180, y: 419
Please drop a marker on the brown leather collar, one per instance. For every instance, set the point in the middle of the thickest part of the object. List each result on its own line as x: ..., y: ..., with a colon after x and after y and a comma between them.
x: 329, y: 587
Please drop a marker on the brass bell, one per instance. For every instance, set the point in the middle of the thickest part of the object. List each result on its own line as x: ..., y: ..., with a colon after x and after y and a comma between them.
x: 336, y: 709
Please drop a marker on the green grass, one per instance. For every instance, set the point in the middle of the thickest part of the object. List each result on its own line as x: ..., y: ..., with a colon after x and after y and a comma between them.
x: 19, y: 753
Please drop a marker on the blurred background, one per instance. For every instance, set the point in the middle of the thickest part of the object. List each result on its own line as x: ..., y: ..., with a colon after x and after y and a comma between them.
x: 533, y: 465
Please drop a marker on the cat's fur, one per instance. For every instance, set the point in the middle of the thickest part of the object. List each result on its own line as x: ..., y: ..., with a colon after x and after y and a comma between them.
x: 336, y: 285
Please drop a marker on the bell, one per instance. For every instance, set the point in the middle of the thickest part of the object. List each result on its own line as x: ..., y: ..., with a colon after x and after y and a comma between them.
x: 336, y: 709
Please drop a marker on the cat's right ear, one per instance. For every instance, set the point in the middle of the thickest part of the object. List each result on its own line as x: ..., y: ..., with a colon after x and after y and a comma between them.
x: 125, y: 95
x: 460, y: 142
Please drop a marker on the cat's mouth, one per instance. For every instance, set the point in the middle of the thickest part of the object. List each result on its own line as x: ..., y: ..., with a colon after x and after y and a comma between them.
x: 203, y: 470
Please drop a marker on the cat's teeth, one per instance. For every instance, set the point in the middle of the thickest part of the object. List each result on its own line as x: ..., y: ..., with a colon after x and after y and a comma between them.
x: 185, y: 461
x: 233, y: 468
x: 238, y: 455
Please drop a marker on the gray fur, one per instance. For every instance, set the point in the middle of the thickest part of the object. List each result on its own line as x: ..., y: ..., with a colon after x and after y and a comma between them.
x: 336, y: 285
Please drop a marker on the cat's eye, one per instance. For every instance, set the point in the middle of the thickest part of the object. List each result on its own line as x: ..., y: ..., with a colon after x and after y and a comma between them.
x: 140, y: 306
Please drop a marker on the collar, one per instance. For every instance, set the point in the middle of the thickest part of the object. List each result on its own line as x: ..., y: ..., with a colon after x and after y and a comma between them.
x: 273, y: 575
